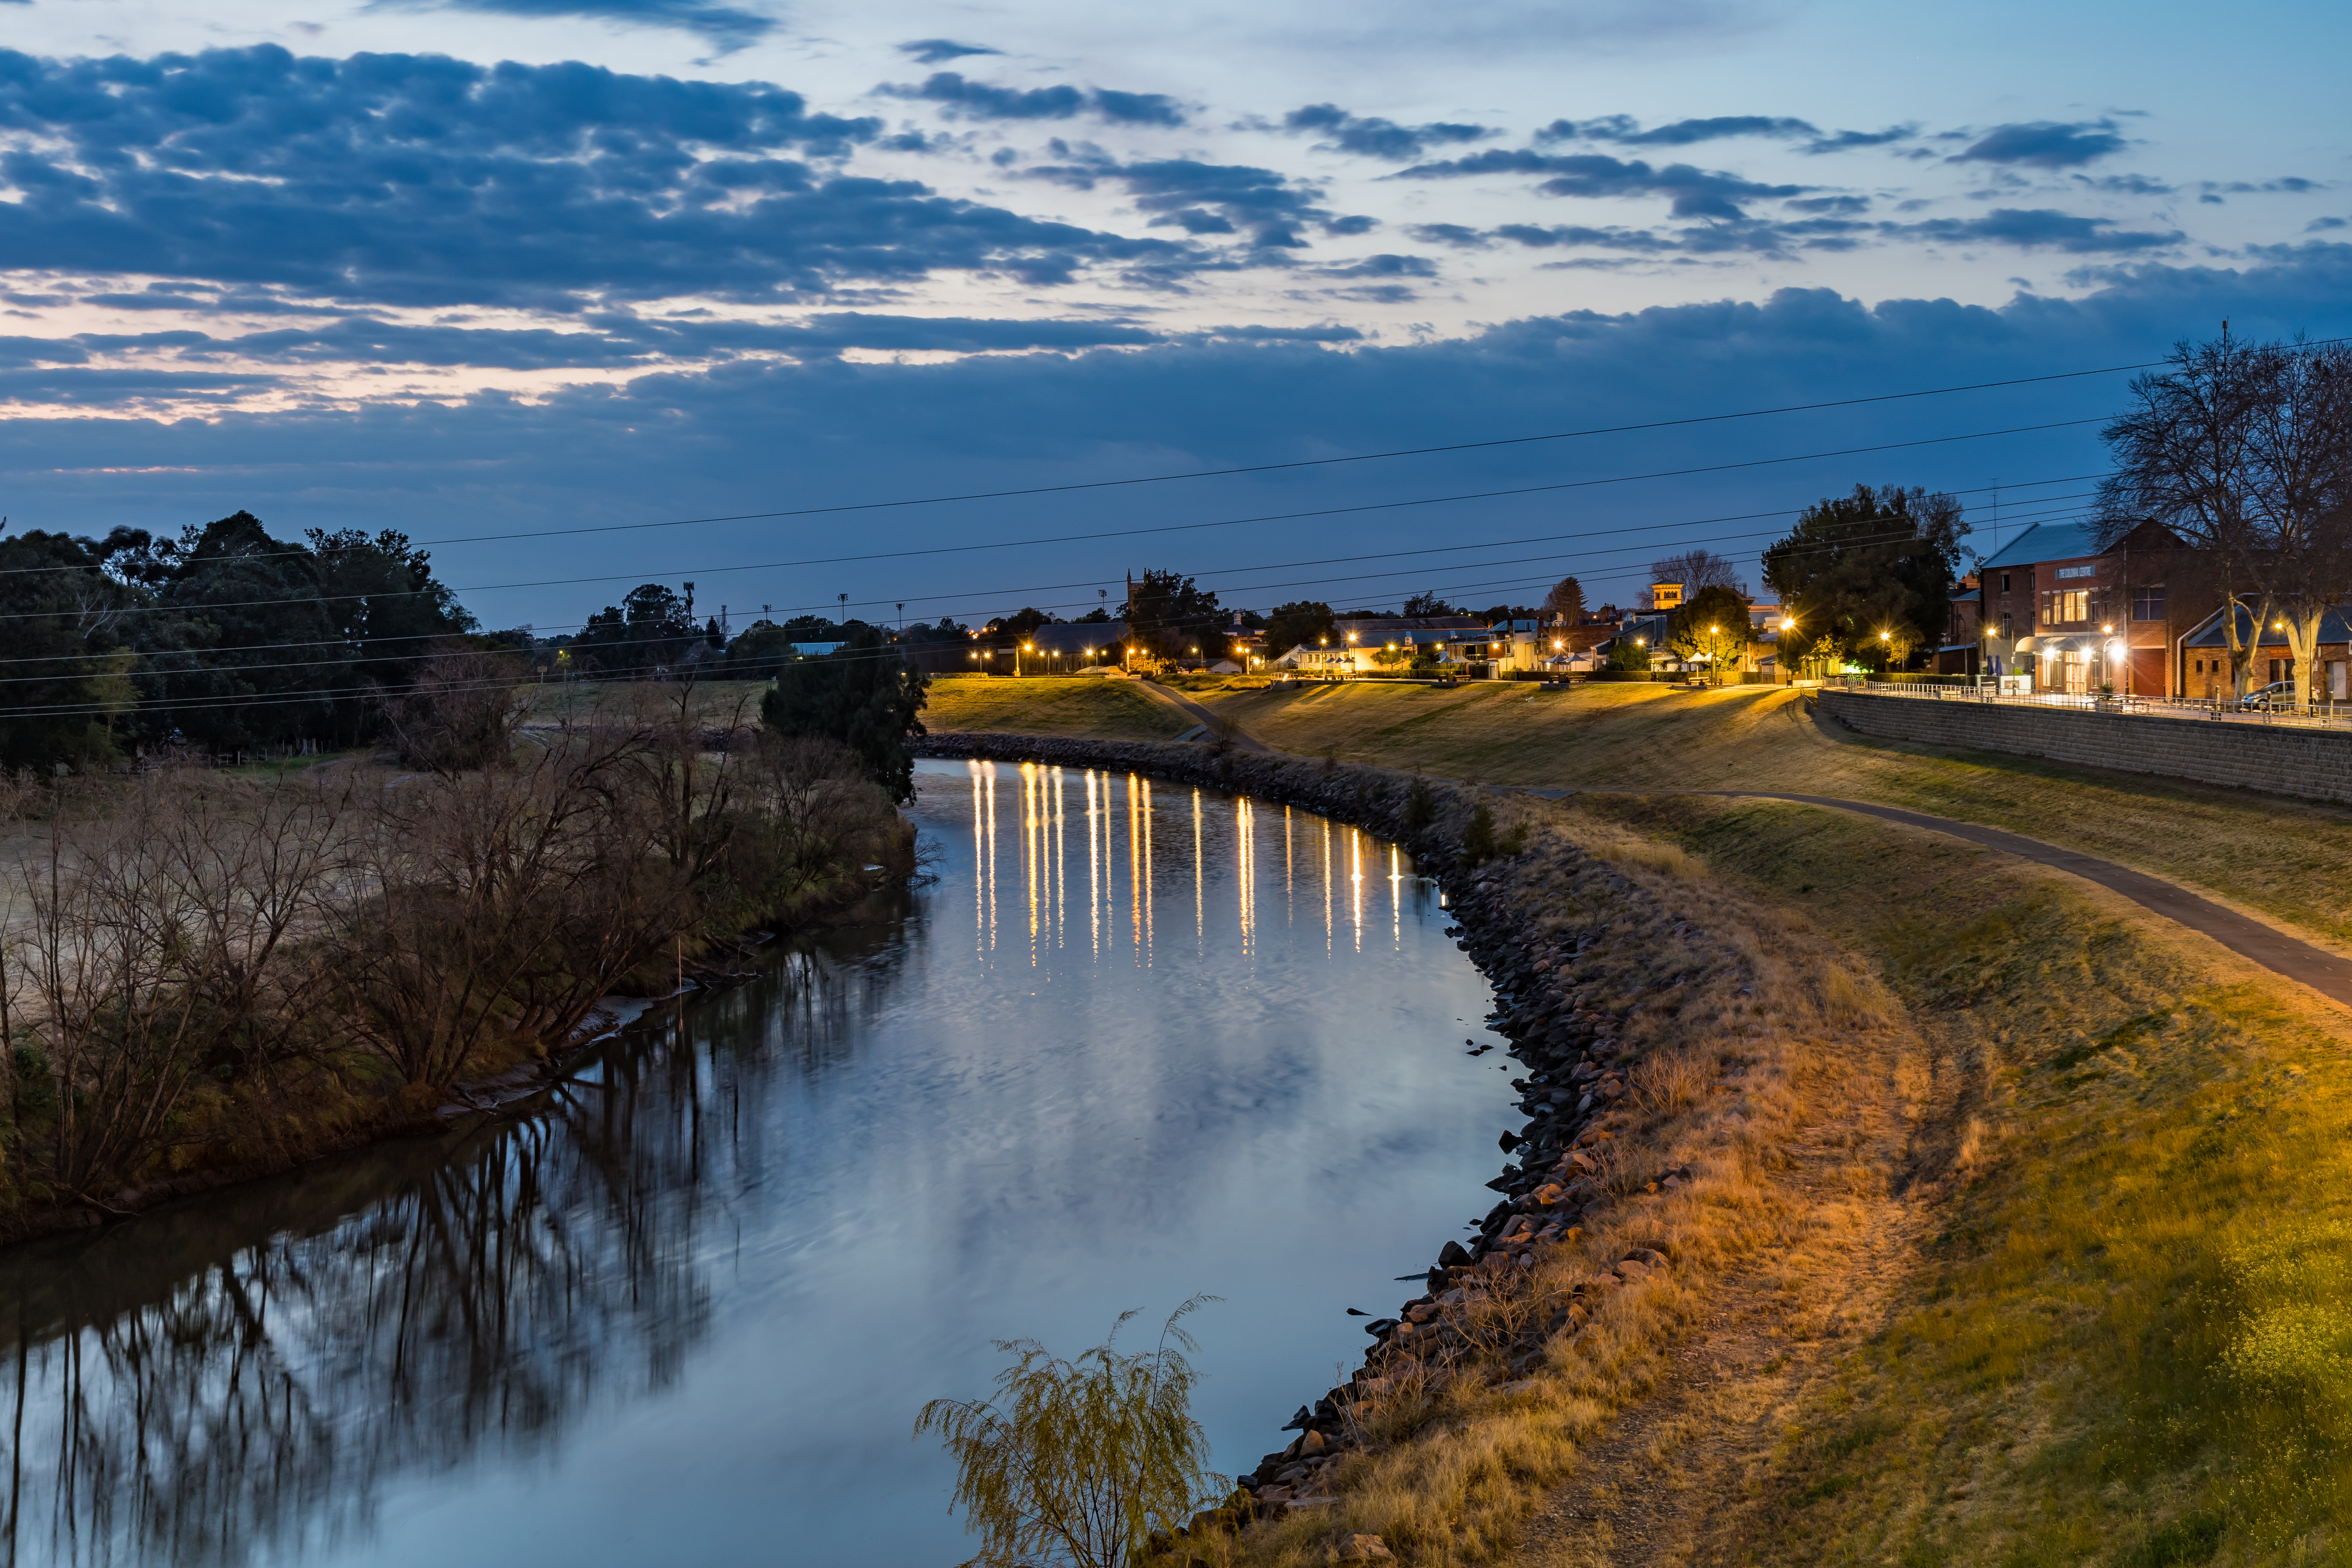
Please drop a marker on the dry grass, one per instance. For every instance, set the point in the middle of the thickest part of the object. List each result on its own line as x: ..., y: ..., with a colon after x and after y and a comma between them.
x: 1063, y: 705
x: 2128, y: 1336
x: 1714, y: 986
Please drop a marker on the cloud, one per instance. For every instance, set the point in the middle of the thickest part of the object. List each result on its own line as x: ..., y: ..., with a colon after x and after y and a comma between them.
x: 2038, y: 228
x: 1209, y: 198
x: 1694, y: 193
x: 1624, y: 130
x: 421, y: 180
x: 1377, y: 138
x: 980, y: 101
x: 937, y: 51
x: 844, y: 431
x: 1385, y: 266
x: 2043, y: 144
x: 725, y: 27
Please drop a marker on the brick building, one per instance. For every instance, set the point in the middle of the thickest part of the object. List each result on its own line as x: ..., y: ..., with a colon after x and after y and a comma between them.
x: 2052, y: 605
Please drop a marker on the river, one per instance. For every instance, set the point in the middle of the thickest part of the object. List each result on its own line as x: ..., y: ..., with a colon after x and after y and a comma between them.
x: 1135, y: 1042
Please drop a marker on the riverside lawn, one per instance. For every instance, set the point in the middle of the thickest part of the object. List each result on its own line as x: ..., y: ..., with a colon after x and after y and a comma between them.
x: 2005, y: 1235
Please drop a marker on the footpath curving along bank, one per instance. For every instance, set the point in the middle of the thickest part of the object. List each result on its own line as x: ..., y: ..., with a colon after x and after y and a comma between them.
x: 1480, y: 1318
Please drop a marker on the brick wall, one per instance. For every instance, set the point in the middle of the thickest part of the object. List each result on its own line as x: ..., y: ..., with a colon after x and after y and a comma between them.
x: 2312, y: 765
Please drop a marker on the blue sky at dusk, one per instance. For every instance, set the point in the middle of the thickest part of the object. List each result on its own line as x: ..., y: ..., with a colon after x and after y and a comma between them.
x: 567, y: 269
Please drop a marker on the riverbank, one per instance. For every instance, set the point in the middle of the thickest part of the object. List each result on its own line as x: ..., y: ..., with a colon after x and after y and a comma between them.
x: 1658, y: 1016
x: 1974, y: 1192
x: 211, y: 979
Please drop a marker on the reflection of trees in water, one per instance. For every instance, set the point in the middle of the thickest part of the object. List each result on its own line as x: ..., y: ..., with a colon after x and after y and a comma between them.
x: 253, y: 1373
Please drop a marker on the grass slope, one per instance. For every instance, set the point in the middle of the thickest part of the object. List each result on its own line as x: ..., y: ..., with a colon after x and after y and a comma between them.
x: 1047, y: 705
x: 2127, y: 1338
x: 2285, y: 860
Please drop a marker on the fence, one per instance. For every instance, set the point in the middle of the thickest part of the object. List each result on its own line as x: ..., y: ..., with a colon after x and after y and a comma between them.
x: 2305, y: 756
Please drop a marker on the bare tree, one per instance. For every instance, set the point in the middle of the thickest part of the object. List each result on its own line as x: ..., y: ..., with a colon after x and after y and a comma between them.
x: 2299, y: 443
x: 2184, y: 458
x: 1697, y: 569
x: 464, y: 711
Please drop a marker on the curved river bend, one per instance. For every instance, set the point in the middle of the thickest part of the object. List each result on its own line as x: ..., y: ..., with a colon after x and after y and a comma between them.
x: 1136, y: 1042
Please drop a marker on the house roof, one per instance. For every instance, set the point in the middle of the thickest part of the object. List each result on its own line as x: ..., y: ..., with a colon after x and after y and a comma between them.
x: 2335, y: 626
x: 2046, y: 542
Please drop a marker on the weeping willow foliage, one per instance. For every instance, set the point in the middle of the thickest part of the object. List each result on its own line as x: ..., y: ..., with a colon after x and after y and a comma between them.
x: 1077, y: 1462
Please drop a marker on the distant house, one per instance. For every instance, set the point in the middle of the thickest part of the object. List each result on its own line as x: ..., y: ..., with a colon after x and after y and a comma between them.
x: 2204, y: 655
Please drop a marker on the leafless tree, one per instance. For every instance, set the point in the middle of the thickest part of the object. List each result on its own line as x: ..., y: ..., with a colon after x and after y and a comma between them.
x: 2299, y: 490
x: 1696, y: 569
x: 464, y: 711
x: 2184, y: 457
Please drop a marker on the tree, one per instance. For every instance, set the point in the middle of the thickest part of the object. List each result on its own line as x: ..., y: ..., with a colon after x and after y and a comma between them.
x: 1565, y: 602
x: 2183, y: 458
x: 1628, y: 654
x: 245, y: 649
x: 1711, y: 626
x: 863, y: 695
x: 1079, y: 1462
x: 62, y: 623
x: 2300, y: 499
x: 1427, y: 603
x: 649, y: 630
x: 1303, y: 622
x: 1168, y: 615
x: 1697, y: 570
x: 759, y: 651
x: 1874, y: 569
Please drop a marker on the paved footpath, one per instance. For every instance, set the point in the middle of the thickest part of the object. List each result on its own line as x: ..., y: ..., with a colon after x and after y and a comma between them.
x: 1202, y: 717
x: 2324, y: 972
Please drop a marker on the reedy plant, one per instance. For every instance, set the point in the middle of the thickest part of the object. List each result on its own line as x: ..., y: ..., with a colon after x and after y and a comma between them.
x: 1077, y: 1462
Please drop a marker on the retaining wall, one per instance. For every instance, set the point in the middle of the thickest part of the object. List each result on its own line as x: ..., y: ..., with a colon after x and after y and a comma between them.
x: 2312, y: 765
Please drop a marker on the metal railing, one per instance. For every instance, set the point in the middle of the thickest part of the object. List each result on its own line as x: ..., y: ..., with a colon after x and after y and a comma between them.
x: 2319, y: 716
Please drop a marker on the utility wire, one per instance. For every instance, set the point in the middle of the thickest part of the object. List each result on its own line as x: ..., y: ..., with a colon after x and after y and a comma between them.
x: 153, y: 666
x: 780, y: 565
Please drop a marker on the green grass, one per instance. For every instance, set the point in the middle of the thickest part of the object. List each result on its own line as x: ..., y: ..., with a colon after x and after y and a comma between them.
x: 2287, y: 859
x: 2128, y: 1338
x: 1052, y: 705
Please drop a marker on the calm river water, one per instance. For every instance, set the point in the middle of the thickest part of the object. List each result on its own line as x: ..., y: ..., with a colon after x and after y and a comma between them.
x: 1137, y: 1042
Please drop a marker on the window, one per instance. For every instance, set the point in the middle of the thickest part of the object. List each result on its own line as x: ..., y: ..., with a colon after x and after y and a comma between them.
x: 2062, y: 606
x: 2147, y: 603
x: 2005, y: 633
x: 2004, y: 582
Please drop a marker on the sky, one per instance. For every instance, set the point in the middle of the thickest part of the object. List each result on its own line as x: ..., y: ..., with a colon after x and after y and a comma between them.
x: 592, y: 292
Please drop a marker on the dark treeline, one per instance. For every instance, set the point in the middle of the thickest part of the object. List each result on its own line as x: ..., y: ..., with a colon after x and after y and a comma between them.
x: 223, y: 639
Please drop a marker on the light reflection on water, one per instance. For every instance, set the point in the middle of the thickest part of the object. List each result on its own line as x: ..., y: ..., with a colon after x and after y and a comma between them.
x: 687, y: 1314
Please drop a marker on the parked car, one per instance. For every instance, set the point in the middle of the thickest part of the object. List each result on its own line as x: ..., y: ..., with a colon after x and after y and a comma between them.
x: 2276, y: 698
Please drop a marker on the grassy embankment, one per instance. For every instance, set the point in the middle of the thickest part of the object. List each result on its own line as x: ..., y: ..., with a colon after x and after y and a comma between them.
x: 2030, y: 1245
x: 2283, y: 860
x: 1065, y: 705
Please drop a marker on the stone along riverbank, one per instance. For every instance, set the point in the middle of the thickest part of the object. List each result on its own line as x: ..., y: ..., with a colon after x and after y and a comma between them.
x: 1635, y: 1024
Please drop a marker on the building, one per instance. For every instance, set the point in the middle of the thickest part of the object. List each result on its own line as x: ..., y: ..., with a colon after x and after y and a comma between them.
x: 2052, y: 605
x: 2204, y: 657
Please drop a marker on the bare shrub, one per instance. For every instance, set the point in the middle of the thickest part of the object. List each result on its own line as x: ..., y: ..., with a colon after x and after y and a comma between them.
x: 464, y: 711
x: 502, y: 904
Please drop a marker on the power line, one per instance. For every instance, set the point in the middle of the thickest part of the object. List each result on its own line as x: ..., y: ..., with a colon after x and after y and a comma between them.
x: 1249, y: 469
x: 239, y: 702
x: 784, y: 566
x: 240, y: 668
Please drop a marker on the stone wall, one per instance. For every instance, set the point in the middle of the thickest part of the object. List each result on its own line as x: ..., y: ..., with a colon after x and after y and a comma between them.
x: 2311, y: 764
